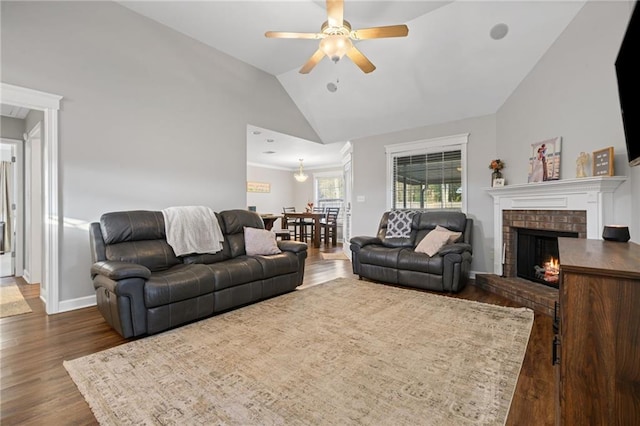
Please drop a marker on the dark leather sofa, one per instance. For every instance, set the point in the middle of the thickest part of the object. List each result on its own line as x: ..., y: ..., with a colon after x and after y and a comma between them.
x: 394, y: 261
x: 143, y: 288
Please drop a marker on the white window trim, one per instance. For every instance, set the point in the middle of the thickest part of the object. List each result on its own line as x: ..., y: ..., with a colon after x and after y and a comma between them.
x: 316, y: 175
x: 427, y: 146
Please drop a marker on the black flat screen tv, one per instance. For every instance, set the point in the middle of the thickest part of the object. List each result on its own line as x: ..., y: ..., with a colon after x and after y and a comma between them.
x: 628, y: 75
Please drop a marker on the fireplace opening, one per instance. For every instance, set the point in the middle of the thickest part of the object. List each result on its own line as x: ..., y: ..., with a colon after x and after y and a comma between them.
x: 537, y: 256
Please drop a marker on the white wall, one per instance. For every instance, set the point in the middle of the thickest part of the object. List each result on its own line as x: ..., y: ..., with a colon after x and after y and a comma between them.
x: 6, y: 152
x: 11, y: 128
x: 135, y: 94
x: 572, y: 92
x: 369, y: 168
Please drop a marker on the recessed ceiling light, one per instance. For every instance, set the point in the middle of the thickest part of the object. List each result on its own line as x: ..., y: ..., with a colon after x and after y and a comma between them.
x: 499, y: 31
x: 269, y: 152
x: 256, y: 132
x: 270, y: 140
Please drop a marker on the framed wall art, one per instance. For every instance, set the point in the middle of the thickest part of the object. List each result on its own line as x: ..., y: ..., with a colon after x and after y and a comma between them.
x: 258, y: 187
x: 544, y: 162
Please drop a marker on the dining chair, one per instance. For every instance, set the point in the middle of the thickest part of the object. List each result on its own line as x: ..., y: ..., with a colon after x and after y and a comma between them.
x: 311, y: 222
x: 297, y: 230
x: 330, y: 225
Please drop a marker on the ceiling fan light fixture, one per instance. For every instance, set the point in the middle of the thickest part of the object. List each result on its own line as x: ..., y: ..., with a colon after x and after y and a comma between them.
x: 335, y: 46
x: 300, y: 175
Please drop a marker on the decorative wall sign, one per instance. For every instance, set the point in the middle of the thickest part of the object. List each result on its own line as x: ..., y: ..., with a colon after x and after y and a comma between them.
x: 603, y: 162
x: 544, y: 163
x: 258, y: 187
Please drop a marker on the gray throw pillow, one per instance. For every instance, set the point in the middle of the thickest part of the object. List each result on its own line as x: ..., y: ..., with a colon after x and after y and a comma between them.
x: 260, y: 242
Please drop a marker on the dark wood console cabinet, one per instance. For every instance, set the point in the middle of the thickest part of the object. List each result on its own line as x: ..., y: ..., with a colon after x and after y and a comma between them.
x: 598, y: 370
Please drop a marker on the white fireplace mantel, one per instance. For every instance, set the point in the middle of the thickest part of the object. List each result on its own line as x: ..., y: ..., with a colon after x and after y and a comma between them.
x: 592, y: 194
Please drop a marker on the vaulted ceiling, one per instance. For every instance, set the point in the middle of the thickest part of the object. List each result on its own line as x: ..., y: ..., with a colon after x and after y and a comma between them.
x: 447, y: 68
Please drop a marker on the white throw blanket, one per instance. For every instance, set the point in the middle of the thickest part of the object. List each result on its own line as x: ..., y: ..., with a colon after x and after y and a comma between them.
x: 192, y: 229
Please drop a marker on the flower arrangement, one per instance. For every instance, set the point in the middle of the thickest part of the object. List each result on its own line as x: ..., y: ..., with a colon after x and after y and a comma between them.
x: 496, y: 164
x: 309, y: 207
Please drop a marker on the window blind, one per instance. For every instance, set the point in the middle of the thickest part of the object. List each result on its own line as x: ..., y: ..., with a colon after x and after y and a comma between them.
x: 427, y: 180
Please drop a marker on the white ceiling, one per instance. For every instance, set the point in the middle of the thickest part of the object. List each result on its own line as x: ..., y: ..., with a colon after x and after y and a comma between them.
x: 282, y: 151
x: 13, y: 111
x: 448, y: 67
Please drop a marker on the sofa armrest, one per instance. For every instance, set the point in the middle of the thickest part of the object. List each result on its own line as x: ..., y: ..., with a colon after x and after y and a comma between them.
x: 292, y: 246
x: 358, y: 242
x: 116, y: 270
x: 456, y: 248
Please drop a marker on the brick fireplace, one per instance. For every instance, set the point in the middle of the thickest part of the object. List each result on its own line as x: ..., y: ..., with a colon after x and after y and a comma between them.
x: 572, y: 221
x: 579, y: 206
x: 552, y: 203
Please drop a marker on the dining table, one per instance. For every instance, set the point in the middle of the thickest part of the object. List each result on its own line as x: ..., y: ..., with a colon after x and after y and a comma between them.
x: 308, y: 215
x: 269, y: 220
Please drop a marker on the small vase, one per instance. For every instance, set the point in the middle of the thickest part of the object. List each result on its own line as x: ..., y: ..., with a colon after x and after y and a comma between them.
x: 495, y: 175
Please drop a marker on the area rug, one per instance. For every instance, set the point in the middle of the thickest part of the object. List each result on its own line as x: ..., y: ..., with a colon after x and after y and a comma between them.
x: 343, y: 352
x: 334, y: 256
x: 12, y: 301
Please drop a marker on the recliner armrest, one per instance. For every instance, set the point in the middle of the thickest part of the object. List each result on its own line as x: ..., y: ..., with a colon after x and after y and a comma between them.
x: 292, y: 246
x: 116, y: 270
x: 359, y: 242
x: 455, y: 248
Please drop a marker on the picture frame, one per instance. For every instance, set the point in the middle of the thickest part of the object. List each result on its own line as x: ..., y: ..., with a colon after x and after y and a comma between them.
x: 603, y: 160
x: 260, y: 187
x: 544, y: 162
x: 498, y: 182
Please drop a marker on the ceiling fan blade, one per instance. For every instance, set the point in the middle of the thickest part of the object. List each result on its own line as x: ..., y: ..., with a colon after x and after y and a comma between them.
x: 312, y: 62
x: 360, y: 60
x: 335, y: 13
x: 282, y: 34
x: 380, y: 32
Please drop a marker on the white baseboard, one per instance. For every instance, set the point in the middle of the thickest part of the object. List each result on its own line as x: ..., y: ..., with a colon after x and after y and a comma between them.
x: 26, y: 276
x: 79, y: 303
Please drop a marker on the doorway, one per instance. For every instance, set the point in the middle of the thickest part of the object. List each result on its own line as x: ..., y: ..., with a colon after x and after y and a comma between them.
x: 11, y: 188
x: 51, y: 222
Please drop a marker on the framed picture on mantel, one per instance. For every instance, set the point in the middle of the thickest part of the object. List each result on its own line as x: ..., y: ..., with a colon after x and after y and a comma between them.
x: 544, y: 163
x: 603, y: 162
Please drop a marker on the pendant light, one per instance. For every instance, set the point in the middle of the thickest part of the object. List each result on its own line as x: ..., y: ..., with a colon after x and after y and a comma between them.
x: 300, y: 176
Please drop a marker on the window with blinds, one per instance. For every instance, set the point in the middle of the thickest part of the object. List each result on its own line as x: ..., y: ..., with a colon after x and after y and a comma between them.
x: 428, y: 174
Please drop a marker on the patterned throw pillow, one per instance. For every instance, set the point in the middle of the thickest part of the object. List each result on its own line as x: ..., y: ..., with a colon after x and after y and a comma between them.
x: 399, y: 223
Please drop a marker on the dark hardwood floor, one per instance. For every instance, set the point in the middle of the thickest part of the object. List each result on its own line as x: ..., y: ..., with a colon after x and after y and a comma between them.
x: 36, y: 389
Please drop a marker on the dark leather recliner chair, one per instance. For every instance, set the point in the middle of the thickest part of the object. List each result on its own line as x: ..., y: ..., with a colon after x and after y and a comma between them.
x: 143, y: 288
x: 394, y: 261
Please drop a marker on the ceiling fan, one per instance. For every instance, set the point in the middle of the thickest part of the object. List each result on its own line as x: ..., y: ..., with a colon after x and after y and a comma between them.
x: 335, y: 38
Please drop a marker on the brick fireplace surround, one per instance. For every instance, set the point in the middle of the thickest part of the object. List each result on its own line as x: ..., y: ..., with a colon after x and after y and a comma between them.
x: 548, y: 220
x: 576, y: 205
